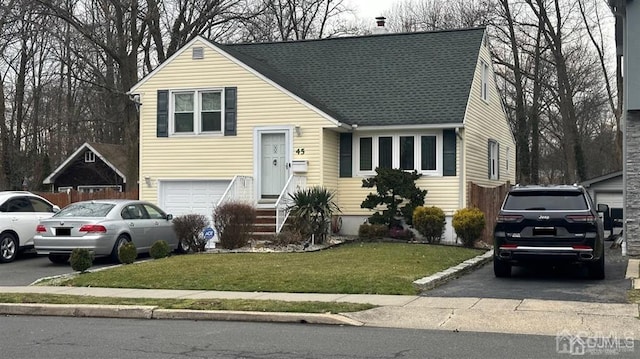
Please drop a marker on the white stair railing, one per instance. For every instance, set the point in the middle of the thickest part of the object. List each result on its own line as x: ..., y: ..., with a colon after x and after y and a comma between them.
x: 294, y: 183
x: 239, y: 190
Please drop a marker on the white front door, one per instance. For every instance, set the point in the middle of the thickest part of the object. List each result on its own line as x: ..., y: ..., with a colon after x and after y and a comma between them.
x: 273, y: 164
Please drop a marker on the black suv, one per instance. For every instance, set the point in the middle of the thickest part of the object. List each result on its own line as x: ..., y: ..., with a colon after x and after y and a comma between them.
x: 547, y: 225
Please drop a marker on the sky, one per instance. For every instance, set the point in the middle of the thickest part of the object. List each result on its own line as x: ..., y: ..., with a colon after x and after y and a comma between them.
x: 369, y: 9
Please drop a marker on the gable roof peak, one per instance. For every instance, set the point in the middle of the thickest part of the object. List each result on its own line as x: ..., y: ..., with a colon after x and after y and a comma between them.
x: 353, y: 37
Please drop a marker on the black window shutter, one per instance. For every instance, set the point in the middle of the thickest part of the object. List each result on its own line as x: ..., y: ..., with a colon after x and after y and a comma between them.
x: 346, y: 150
x: 449, y: 153
x: 162, y: 121
x: 230, y: 110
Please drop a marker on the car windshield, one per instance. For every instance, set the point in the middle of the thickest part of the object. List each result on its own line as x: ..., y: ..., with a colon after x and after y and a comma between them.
x: 85, y: 209
x: 549, y: 201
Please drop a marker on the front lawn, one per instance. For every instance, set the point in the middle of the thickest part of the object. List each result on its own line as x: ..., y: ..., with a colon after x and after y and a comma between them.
x: 355, y: 268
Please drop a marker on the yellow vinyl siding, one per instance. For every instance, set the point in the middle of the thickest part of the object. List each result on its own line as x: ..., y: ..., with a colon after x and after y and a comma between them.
x: 330, y: 161
x: 259, y: 104
x: 442, y: 192
x: 486, y: 120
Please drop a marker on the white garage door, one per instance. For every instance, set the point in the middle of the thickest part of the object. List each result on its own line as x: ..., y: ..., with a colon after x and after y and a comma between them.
x: 191, y: 197
x: 612, y: 199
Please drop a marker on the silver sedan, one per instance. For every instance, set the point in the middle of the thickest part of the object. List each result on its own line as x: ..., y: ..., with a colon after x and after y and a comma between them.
x: 102, y: 227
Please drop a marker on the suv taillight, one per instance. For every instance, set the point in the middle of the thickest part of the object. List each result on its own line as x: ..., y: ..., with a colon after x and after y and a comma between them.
x: 509, y: 218
x: 580, y: 218
x: 93, y: 228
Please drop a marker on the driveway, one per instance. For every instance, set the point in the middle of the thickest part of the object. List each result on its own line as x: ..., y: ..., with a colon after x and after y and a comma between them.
x: 28, y: 267
x: 569, y: 283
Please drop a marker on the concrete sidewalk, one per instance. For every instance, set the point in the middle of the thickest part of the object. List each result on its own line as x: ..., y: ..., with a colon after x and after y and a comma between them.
x: 528, y: 316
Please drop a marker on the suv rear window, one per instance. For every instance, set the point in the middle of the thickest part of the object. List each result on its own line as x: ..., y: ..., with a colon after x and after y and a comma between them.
x: 547, y: 200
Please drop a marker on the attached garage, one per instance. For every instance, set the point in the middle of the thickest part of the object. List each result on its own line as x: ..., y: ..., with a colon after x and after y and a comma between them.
x: 180, y: 197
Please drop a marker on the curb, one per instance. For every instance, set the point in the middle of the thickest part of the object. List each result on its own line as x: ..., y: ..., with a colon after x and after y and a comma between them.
x: 78, y: 310
x: 633, y: 273
x: 274, y: 317
x: 153, y: 312
x: 446, y: 275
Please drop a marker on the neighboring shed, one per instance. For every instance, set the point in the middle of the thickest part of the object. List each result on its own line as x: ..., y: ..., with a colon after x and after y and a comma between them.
x: 607, y: 189
x: 92, y: 167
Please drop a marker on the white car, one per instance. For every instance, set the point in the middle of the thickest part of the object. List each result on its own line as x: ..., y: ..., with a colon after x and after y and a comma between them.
x: 20, y: 213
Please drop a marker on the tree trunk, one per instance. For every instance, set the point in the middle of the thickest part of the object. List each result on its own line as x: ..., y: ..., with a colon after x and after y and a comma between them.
x: 523, y: 169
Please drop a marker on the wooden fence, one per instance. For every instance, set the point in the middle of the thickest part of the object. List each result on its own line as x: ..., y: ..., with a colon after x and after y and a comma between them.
x: 488, y: 200
x: 64, y: 198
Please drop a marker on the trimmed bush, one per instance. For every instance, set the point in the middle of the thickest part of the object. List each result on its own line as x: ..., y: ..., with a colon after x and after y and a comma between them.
x: 159, y: 249
x: 234, y: 223
x: 401, y: 233
x: 288, y: 236
x: 430, y: 222
x: 396, y: 196
x: 468, y: 224
x: 127, y: 253
x: 81, y: 259
x: 368, y: 232
x: 189, y: 229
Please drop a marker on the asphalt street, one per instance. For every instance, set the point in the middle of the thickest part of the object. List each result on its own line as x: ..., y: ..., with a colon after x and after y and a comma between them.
x: 56, y: 337
x: 562, y: 283
x: 29, y: 267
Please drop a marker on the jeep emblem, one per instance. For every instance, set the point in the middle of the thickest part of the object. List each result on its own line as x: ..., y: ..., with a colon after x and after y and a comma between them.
x: 543, y: 218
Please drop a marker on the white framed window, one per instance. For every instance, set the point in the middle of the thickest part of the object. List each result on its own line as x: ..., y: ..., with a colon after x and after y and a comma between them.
x: 421, y: 152
x: 484, y: 90
x: 98, y: 188
x: 89, y: 157
x: 494, y: 159
x: 197, y: 112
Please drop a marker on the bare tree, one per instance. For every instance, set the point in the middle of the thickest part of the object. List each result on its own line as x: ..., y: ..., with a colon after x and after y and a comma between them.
x: 426, y: 15
x: 523, y: 154
x: 283, y: 20
x: 553, y: 27
x: 590, y: 12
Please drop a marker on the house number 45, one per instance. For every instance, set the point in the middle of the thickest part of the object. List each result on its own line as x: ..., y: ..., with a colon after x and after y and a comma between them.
x: 300, y: 151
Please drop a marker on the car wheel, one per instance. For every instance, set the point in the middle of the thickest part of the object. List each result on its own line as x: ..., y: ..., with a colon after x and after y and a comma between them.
x: 501, y: 269
x: 8, y: 247
x: 183, y: 247
x: 59, y: 258
x: 596, y: 269
x: 121, y: 241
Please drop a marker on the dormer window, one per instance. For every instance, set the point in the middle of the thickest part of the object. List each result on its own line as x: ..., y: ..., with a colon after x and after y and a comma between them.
x: 89, y: 157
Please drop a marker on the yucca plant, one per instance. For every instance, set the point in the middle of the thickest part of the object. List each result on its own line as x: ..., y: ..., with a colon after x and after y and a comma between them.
x: 311, y: 211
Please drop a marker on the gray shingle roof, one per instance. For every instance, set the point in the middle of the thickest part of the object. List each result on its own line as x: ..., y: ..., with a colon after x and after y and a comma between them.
x: 390, y: 79
x: 115, y: 154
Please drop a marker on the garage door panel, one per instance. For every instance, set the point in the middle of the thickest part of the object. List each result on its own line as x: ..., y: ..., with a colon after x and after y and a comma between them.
x: 191, y: 197
x: 613, y: 200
